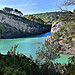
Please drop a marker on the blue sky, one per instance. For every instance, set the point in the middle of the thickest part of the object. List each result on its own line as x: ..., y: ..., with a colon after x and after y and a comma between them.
x: 34, y: 6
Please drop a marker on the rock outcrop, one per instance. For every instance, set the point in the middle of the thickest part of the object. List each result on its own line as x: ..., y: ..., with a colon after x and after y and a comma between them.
x: 66, y: 48
x: 13, y: 26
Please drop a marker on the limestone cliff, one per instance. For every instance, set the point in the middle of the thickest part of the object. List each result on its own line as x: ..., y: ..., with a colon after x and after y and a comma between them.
x: 63, y: 36
x: 13, y: 26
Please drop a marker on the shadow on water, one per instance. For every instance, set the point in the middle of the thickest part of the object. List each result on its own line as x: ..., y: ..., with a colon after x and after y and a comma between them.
x: 42, y: 35
x: 27, y: 45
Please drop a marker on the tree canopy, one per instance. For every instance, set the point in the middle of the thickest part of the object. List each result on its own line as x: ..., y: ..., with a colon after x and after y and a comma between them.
x: 69, y: 2
x: 7, y: 9
x: 33, y: 18
x: 16, y: 10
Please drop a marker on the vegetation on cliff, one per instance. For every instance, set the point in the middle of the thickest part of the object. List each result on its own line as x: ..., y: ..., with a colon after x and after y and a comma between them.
x: 63, y: 33
x: 37, y: 20
x: 16, y: 26
x: 12, y: 11
x: 67, y: 28
x: 48, y: 17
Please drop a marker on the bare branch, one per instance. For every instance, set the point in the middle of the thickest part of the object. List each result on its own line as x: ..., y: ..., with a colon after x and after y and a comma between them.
x: 69, y: 2
x: 63, y: 10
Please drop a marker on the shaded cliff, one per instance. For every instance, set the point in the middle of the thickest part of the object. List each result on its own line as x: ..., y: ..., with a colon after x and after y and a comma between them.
x: 13, y: 26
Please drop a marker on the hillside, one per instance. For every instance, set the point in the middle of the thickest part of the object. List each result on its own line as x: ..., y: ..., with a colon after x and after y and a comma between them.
x: 63, y: 34
x: 34, y: 19
x: 48, y: 17
x: 14, y: 26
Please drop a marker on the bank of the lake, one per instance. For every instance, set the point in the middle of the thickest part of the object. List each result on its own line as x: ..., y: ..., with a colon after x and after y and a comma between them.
x: 28, y: 46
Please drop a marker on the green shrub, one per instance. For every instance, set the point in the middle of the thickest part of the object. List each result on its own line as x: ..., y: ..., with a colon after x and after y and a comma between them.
x: 37, y: 20
x: 56, y: 35
x: 13, y: 71
x: 68, y: 41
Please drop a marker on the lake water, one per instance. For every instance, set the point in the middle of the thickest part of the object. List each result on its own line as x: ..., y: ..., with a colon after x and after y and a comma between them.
x: 28, y: 46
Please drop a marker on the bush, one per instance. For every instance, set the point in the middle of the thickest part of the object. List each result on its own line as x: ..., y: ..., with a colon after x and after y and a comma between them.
x: 16, y: 64
x: 68, y: 41
x: 56, y: 35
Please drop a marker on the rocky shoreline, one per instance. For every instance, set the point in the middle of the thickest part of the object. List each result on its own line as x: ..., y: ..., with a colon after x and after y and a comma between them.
x: 65, y: 48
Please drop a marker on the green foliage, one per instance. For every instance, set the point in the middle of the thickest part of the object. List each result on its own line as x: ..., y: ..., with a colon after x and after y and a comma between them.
x: 72, y: 70
x: 48, y: 17
x: 66, y: 32
x: 37, y: 20
x: 46, y: 54
x: 68, y: 16
x: 71, y: 66
x: 13, y: 64
x: 56, y: 35
x: 71, y: 60
x: 12, y: 71
x: 73, y: 36
x: 68, y: 41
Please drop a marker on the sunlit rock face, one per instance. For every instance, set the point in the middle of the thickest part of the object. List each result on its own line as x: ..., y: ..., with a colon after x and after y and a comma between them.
x: 14, y: 26
x: 65, y: 48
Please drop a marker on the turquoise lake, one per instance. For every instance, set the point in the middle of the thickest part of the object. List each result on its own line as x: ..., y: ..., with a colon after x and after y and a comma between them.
x: 28, y: 46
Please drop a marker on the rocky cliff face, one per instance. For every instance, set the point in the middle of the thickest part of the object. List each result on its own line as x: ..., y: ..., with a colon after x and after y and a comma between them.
x: 62, y: 35
x: 12, y: 26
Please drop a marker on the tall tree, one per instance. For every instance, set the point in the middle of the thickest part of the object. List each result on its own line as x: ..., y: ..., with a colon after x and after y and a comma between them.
x: 7, y: 9
x: 46, y: 53
x: 16, y: 10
